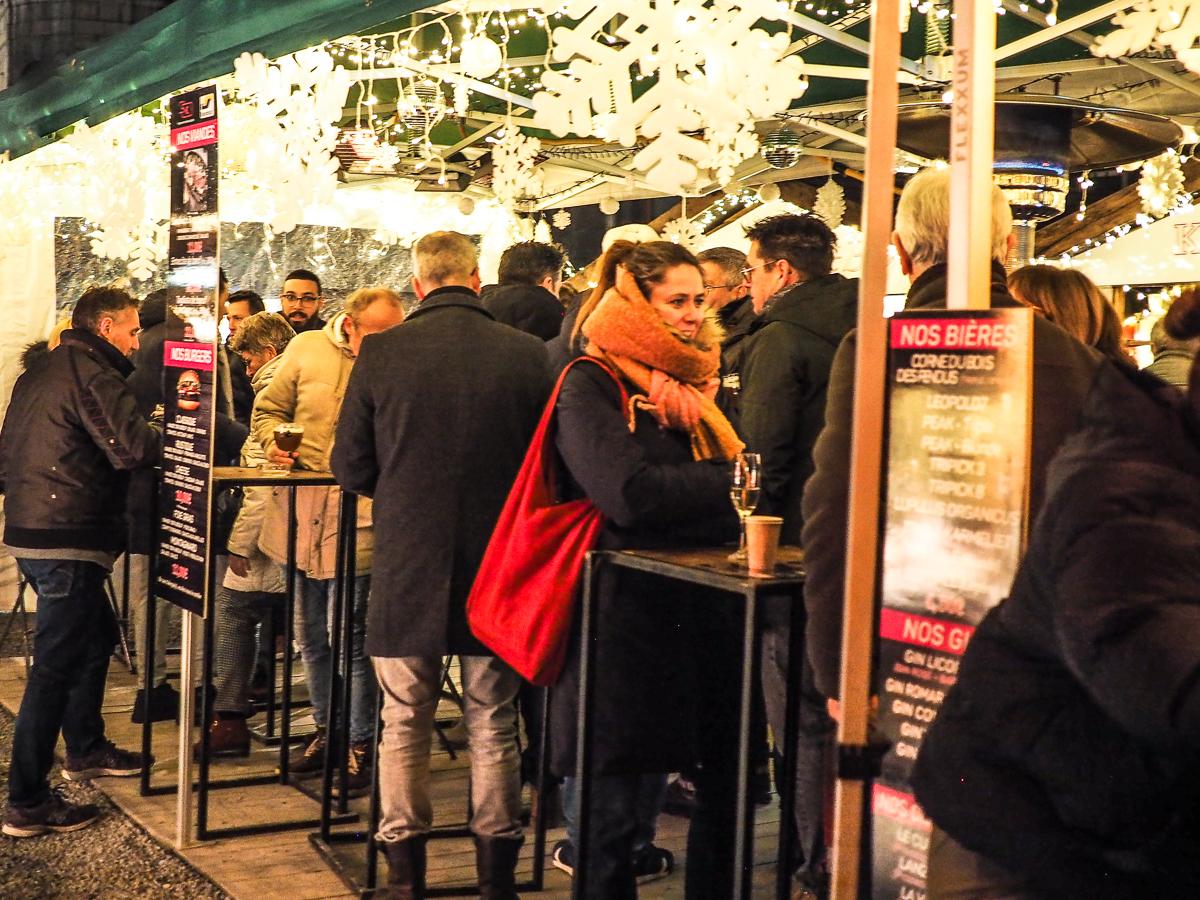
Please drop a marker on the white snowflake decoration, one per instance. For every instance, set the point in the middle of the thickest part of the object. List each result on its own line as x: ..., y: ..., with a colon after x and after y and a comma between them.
x: 714, y: 73
x: 296, y: 103
x: 515, y: 175
x: 684, y: 232
x: 848, y: 251
x: 124, y: 165
x: 1161, y: 24
x: 830, y: 205
x: 561, y: 220
x: 1161, y: 184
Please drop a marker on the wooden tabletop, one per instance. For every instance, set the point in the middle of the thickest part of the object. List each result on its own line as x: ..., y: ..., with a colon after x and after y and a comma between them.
x: 254, y: 476
x: 711, y: 565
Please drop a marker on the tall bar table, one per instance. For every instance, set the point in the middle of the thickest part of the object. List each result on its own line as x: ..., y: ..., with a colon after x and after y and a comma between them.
x: 712, y: 568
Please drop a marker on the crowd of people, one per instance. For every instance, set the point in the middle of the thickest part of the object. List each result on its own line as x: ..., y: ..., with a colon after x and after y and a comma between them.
x: 670, y: 367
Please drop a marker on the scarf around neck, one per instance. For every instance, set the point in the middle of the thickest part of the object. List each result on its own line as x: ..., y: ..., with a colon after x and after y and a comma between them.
x: 677, y: 377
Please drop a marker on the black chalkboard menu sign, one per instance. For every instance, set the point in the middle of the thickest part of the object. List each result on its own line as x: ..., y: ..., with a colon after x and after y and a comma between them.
x: 190, y: 354
x: 954, y: 520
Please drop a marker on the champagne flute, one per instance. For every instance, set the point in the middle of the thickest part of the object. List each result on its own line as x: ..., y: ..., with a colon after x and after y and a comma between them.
x: 743, y: 491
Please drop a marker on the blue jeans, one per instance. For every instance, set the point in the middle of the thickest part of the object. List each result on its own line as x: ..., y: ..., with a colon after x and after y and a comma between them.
x: 76, y: 632
x: 622, y: 819
x: 315, y: 628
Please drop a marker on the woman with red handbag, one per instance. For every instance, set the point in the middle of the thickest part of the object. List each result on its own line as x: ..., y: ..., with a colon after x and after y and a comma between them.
x: 655, y: 462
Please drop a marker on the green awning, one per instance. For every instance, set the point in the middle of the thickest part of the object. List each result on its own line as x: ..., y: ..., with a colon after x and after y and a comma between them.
x: 185, y: 43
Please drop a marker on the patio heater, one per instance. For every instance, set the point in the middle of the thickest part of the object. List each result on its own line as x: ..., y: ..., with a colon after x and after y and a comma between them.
x: 1040, y: 140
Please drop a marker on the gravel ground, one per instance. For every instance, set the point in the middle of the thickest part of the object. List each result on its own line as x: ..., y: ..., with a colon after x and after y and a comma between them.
x: 113, y: 858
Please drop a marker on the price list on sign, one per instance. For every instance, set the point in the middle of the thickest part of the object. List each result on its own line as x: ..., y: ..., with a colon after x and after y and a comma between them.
x: 954, y: 517
x: 190, y: 353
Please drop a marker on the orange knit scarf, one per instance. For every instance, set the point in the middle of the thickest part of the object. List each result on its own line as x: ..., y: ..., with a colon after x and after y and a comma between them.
x: 678, y: 377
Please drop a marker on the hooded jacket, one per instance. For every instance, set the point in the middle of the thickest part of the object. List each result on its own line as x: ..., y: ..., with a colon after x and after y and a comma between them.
x: 526, y: 307
x: 71, y: 435
x: 737, y: 318
x: 1063, y: 369
x: 784, y: 378
x: 308, y: 388
x: 1075, y: 721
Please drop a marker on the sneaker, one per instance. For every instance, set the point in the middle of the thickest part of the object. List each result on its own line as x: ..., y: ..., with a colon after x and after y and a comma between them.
x: 358, y: 771
x: 652, y: 864
x: 109, y: 759
x: 164, y: 705
x: 563, y: 857
x: 309, y: 760
x: 56, y: 814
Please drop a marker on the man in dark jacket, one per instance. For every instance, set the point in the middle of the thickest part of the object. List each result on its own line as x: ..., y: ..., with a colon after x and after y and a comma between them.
x: 71, y: 435
x: 240, y: 306
x: 803, y: 312
x: 436, y: 420
x: 727, y: 290
x: 527, y: 296
x: 1063, y: 369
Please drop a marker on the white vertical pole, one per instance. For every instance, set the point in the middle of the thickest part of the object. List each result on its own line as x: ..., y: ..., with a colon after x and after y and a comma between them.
x: 867, y: 443
x: 972, y: 127
x: 183, y: 795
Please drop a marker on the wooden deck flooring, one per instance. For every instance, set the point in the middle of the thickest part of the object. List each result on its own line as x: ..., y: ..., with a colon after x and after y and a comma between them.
x: 285, y: 864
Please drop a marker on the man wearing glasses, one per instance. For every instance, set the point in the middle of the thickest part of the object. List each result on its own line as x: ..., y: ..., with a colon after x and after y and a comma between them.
x: 804, y: 311
x: 300, y: 301
x: 727, y: 291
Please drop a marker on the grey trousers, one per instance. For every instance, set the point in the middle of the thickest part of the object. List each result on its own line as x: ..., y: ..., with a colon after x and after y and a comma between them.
x: 411, y: 689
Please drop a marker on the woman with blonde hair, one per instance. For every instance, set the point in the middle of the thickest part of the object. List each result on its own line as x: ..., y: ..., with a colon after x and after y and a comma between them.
x: 1072, y: 301
x: 647, y: 443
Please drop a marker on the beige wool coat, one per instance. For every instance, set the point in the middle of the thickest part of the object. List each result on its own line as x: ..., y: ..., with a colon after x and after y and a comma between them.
x: 308, y: 388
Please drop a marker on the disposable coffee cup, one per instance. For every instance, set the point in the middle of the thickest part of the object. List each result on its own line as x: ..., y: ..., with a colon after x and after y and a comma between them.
x: 762, y: 544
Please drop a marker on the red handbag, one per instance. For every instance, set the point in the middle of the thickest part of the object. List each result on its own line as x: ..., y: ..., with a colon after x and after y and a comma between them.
x: 520, y: 603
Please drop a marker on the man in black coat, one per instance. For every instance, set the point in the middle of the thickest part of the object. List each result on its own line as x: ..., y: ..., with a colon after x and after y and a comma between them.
x: 727, y: 290
x: 1063, y: 370
x: 803, y: 312
x: 527, y: 296
x: 71, y: 435
x: 437, y: 417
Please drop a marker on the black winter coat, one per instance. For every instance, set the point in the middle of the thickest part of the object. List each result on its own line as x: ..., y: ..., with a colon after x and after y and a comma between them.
x: 1063, y: 369
x: 435, y: 424
x: 71, y: 435
x: 737, y: 318
x: 1069, y: 750
x: 657, y: 639
x: 784, y: 377
x: 526, y: 307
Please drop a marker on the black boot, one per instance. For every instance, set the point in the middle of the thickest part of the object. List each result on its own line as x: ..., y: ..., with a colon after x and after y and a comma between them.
x: 406, y: 870
x: 496, y: 862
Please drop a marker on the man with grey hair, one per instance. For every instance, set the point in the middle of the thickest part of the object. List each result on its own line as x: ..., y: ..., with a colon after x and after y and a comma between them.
x: 727, y: 290
x: 1063, y: 369
x: 436, y: 421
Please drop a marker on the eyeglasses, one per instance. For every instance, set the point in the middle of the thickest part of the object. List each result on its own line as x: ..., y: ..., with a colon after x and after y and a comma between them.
x: 709, y: 288
x: 300, y: 298
x: 746, y: 271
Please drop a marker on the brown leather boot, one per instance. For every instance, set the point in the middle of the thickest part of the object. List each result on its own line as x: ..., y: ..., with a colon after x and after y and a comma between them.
x: 406, y: 870
x: 496, y: 863
x: 226, y: 737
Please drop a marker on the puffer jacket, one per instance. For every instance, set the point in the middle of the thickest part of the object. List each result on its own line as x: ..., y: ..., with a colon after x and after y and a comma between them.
x: 308, y: 388
x: 262, y: 574
x: 71, y: 436
x: 1068, y: 750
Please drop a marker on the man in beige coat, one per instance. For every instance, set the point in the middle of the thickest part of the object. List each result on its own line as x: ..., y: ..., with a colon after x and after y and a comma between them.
x: 307, y: 389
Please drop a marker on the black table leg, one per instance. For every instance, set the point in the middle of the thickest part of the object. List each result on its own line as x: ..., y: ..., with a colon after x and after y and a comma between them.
x: 743, y: 846
x: 791, y: 728
x: 289, y: 618
x: 587, y: 676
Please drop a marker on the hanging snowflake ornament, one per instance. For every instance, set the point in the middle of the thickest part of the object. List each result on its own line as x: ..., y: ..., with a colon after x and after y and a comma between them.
x: 1161, y: 184
x: 714, y: 74
x: 684, y: 232
x: 561, y: 220
x: 1155, y: 24
x: 830, y: 205
x: 515, y: 175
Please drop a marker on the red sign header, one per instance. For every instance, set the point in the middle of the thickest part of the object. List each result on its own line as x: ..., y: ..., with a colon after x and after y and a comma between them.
x: 924, y: 631
x: 966, y: 333
x: 192, y: 356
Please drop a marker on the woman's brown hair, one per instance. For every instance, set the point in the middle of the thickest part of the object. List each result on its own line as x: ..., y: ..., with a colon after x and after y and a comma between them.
x: 1072, y: 301
x: 647, y: 262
